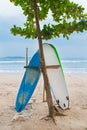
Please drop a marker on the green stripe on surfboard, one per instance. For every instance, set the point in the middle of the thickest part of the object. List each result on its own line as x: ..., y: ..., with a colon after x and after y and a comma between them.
x: 57, y: 57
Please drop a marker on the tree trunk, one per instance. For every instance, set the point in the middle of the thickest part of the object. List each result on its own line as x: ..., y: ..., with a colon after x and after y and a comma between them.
x: 43, y: 66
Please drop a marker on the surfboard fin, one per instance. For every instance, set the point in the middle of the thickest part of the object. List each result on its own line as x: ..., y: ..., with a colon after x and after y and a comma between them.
x: 57, y: 102
x: 67, y: 98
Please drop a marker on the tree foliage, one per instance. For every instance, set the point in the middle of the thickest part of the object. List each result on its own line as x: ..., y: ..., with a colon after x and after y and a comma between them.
x: 68, y: 17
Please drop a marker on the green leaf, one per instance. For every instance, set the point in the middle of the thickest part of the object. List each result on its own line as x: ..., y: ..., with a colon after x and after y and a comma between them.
x: 68, y: 17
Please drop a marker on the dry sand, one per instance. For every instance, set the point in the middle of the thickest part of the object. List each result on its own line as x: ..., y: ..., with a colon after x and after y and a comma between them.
x: 31, y: 118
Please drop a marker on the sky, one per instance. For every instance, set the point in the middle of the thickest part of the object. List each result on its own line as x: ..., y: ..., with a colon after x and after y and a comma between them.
x: 75, y: 47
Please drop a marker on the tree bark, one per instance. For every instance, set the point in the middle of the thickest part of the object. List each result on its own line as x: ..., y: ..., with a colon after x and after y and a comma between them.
x: 43, y: 66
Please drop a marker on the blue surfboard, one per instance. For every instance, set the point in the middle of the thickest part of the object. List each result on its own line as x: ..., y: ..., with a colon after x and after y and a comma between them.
x: 28, y: 83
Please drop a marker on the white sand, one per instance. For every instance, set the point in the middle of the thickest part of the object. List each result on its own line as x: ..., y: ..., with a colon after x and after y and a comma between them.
x: 31, y: 117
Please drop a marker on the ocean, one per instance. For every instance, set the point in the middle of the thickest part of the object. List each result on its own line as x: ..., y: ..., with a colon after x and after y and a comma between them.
x: 16, y: 65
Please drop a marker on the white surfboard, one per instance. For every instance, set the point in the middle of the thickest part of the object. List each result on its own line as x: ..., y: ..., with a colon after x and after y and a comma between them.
x: 56, y: 76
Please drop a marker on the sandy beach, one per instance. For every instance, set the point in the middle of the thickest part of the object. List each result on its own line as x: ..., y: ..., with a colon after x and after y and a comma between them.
x: 32, y: 117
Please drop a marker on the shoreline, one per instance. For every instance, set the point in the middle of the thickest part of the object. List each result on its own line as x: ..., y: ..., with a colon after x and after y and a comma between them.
x: 31, y: 118
x: 22, y: 73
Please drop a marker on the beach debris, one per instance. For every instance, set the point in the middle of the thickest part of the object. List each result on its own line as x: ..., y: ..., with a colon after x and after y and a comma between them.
x: 18, y: 117
x: 22, y: 116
